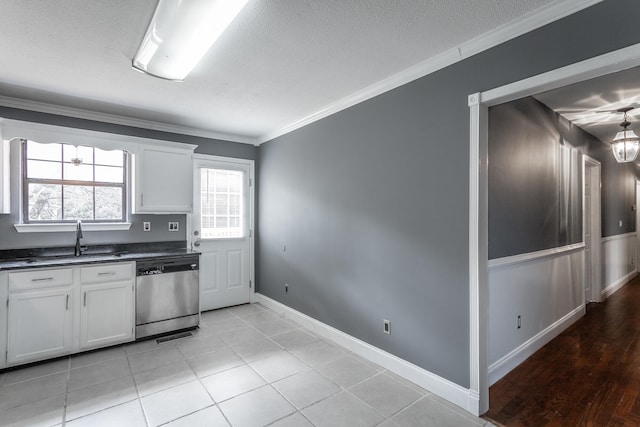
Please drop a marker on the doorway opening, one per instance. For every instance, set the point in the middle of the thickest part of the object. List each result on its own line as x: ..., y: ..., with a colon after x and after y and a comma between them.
x: 591, y: 227
x: 479, y: 104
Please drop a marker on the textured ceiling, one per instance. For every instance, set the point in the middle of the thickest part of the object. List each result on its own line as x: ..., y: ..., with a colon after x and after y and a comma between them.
x: 592, y: 104
x: 278, y: 62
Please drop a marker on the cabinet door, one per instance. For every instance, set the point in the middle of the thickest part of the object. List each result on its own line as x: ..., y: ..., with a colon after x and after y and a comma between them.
x: 107, y: 314
x: 163, y: 180
x: 39, y: 324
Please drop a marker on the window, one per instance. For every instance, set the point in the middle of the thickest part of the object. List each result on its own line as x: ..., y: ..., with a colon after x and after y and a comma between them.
x: 221, y: 207
x: 65, y: 183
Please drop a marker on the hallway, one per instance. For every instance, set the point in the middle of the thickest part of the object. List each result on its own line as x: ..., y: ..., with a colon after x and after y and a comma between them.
x: 588, y: 375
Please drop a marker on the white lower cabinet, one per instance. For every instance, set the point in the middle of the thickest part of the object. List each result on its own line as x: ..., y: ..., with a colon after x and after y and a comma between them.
x: 40, y: 324
x: 53, y: 312
x: 107, y: 314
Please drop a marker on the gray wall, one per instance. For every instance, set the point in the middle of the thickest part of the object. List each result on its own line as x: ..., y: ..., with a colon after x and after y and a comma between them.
x: 372, y: 202
x: 531, y: 207
x: 532, y: 204
x: 11, y: 239
x: 618, y: 193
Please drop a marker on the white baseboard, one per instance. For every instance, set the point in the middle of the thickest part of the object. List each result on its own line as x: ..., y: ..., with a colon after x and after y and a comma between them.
x: 615, y: 286
x: 518, y: 355
x: 433, y: 383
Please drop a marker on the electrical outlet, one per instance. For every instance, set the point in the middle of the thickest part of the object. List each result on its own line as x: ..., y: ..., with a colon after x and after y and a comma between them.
x: 519, y: 322
x: 174, y: 226
x: 387, y: 326
x: 146, y: 226
x: 286, y: 288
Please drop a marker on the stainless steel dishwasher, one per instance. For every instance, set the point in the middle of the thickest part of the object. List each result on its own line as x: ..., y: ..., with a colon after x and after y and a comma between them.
x: 167, y: 295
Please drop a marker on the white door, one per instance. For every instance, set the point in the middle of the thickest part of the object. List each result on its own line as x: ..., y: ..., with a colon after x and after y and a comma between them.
x: 592, y: 233
x: 221, y: 230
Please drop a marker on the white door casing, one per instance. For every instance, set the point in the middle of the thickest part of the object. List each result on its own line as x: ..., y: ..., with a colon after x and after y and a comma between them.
x: 479, y: 104
x: 226, y: 263
x: 591, y: 228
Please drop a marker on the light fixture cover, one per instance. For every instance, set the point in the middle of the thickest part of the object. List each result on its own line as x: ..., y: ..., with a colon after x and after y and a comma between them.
x: 625, y: 146
x: 180, y: 33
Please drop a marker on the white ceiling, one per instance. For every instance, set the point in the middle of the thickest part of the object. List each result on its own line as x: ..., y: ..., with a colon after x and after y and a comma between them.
x: 592, y: 104
x: 279, y: 62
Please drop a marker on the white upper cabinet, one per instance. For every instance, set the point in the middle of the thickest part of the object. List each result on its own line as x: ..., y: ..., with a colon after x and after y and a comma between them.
x: 163, y: 180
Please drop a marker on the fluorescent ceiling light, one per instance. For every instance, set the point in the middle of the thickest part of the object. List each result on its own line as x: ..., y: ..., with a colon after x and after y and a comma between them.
x: 180, y: 33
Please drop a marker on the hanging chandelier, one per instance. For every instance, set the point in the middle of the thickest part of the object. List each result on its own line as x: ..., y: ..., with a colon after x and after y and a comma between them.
x: 626, y: 143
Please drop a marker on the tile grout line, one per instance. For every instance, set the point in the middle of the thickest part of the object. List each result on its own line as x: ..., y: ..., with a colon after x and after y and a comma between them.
x: 135, y: 384
x: 66, y: 395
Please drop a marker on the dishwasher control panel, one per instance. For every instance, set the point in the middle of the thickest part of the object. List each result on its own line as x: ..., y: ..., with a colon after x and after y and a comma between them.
x: 165, y: 266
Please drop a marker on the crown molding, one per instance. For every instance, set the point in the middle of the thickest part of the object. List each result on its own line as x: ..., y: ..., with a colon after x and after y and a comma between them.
x: 43, y: 107
x: 492, y: 38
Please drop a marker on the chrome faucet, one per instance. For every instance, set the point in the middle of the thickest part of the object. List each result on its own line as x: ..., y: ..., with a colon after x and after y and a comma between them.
x: 78, y: 249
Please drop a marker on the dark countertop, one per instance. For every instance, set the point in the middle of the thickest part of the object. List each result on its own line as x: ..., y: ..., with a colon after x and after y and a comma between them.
x: 63, y: 257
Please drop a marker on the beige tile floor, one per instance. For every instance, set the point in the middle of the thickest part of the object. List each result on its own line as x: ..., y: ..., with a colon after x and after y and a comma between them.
x: 245, y: 366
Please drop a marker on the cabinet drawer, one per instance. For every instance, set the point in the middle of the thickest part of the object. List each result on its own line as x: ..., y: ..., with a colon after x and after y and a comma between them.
x: 40, y: 279
x: 106, y: 273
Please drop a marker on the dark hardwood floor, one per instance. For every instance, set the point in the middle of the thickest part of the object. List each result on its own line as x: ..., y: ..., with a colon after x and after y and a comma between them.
x: 587, y: 376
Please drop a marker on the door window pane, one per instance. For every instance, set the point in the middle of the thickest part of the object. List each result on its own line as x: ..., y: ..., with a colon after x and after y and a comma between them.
x: 221, y: 208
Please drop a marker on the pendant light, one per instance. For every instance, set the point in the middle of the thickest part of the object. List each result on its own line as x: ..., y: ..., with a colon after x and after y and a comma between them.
x: 77, y: 160
x: 626, y: 143
x: 180, y: 33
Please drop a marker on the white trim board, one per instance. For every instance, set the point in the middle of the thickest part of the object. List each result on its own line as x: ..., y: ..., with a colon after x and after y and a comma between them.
x: 615, y: 286
x: 431, y: 382
x: 618, y: 237
x: 510, y: 30
x: 518, y: 355
x: 479, y: 104
x: 531, y: 256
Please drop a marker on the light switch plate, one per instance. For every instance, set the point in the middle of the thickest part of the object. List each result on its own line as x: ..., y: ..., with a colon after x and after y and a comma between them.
x: 174, y: 226
x: 146, y: 226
